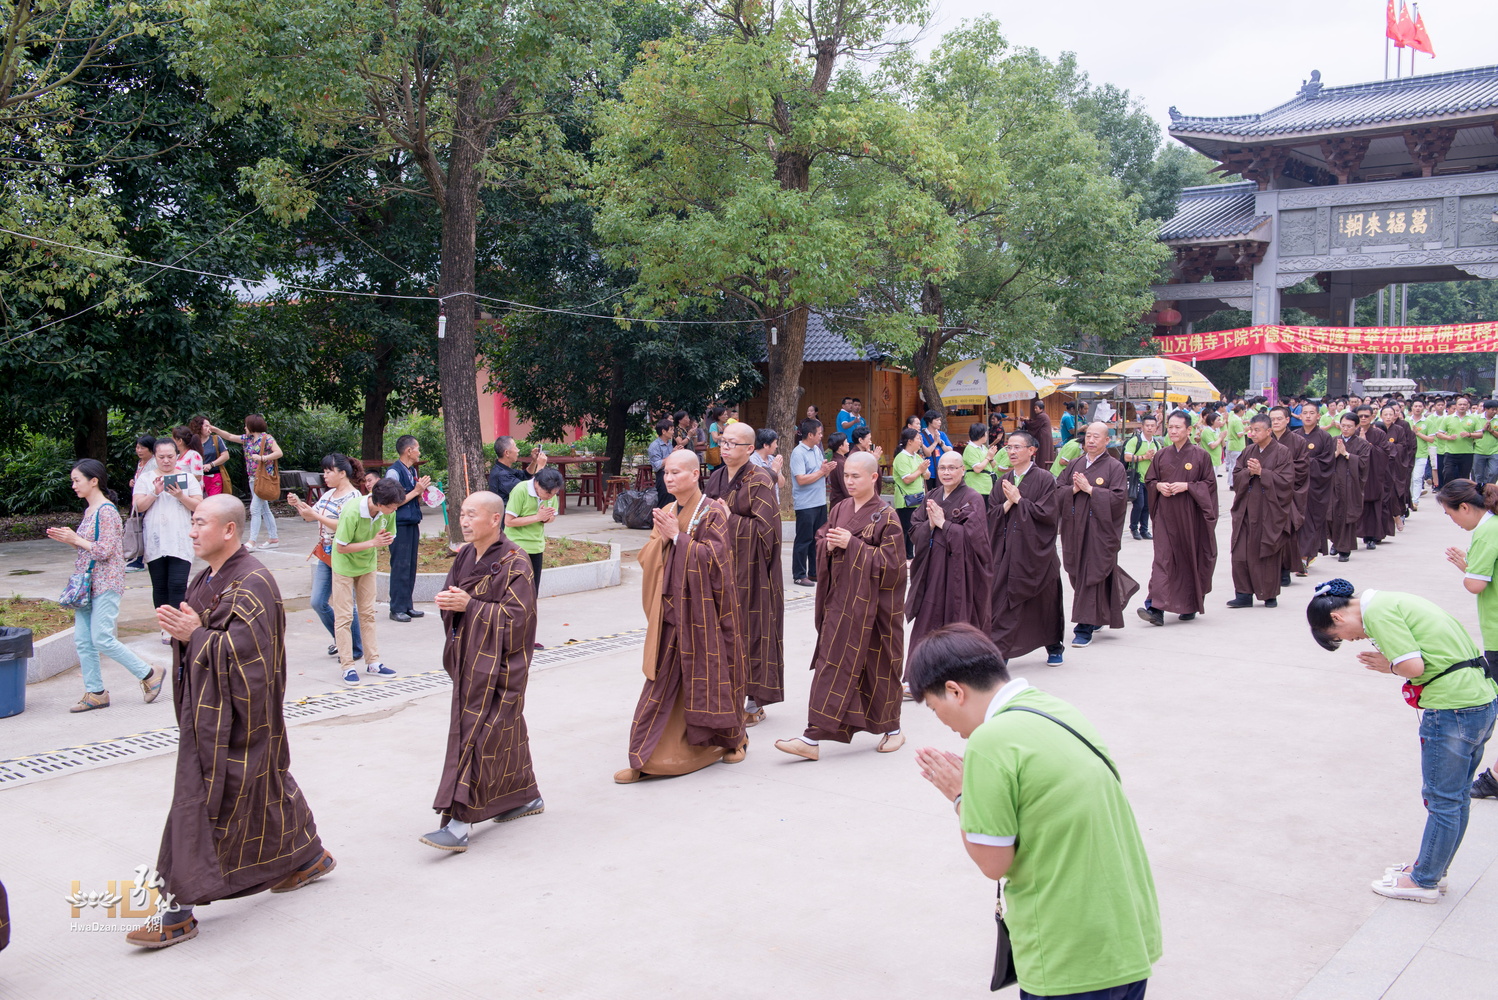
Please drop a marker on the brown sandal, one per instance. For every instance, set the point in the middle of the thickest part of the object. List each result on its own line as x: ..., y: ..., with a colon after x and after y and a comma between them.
x: 306, y: 876
x: 755, y: 717
x: 163, y: 935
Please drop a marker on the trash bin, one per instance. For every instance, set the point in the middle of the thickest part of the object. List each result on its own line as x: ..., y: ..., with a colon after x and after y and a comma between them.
x: 15, y: 655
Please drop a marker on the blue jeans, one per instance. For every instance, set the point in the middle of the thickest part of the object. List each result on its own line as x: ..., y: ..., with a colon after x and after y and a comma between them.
x: 322, y: 588
x: 1451, y: 742
x: 93, y: 633
x: 1128, y: 991
x: 260, y: 511
x: 1484, y: 469
x: 403, y: 565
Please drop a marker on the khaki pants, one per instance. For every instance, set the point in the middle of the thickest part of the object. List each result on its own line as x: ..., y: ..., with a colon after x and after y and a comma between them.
x: 347, y: 590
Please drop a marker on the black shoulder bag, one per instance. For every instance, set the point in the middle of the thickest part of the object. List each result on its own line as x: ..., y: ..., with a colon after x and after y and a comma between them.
x: 1003, y: 960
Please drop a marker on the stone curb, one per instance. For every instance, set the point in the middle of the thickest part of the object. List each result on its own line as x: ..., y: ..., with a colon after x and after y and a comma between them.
x: 554, y: 582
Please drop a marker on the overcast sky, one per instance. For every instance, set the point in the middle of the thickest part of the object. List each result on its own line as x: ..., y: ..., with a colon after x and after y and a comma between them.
x: 1230, y: 59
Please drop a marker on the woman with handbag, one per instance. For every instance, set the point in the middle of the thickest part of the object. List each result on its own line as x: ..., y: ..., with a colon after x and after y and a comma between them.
x: 96, y: 587
x: 168, y: 508
x: 339, y: 474
x: 135, y: 550
x: 1446, y: 679
x: 261, y: 452
x: 215, y: 457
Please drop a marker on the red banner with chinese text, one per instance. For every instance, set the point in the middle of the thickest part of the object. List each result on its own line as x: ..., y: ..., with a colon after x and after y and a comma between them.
x: 1460, y: 338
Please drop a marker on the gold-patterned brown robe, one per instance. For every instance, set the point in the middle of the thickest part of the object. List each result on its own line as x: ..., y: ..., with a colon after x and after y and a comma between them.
x: 487, y: 653
x: 754, y: 537
x: 1262, y: 506
x: 238, y: 823
x: 691, y: 708
x: 1091, y: 535
x: 860, y: 618
x: 1185, y: 529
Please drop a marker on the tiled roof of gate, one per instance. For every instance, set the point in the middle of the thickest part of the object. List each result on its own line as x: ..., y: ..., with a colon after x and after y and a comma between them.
x: 1215, y: 210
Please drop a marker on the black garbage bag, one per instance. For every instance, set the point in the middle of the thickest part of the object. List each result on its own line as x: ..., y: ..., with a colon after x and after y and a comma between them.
x: 632, y: 508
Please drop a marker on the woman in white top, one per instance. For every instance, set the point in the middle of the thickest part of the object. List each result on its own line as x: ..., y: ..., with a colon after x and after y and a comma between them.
x: 339, y: 474
x: 168, y: 511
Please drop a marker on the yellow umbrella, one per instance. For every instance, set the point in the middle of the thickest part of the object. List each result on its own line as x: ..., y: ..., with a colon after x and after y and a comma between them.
x: 973, y: 383
x: 1179, y: 376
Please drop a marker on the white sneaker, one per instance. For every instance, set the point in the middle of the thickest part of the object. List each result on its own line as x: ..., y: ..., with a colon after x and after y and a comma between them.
x: 273, y: 543
x: 1442, y: 885
x: 1389, y: 886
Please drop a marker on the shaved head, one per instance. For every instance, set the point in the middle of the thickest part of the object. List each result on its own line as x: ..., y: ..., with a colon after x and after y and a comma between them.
x: 682, y: 460
x: 216, y: 529
x: 224, y: 510
x: 865, y: 462
x: 740, y: 433
x: 737, y: 441
x: 489, y: 503
x: 950, y: 458
x: 482, y: 518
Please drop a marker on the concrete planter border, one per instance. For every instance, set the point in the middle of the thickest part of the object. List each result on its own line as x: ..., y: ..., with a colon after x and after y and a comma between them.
x: 554, y: 582
x: 51, y: 656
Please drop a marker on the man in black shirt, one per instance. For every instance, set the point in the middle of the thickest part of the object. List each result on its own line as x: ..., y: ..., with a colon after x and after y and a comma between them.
x: 505, y: 474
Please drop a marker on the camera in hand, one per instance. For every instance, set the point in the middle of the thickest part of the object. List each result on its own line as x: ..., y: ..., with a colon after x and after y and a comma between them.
x: 177, y: 479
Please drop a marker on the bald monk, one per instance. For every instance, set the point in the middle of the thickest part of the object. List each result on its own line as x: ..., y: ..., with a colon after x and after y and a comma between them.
x: 488, y: 608
x: 1321, y: 457
x: 1026, y: 612
x: 690, y: 712
x: 1377, y: 522
x: 1263, y: 497
x: 1279, y: 426
x: 754, y: 538
x: 238, y: 823
x: 860, y: 619
x: 1344, y: 508
x: 1094, y: 504
x: 1181, y: 486
x: 951, y: 576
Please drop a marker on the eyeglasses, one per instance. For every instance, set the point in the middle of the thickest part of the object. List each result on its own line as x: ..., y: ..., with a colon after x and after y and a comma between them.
x: 733, y: 444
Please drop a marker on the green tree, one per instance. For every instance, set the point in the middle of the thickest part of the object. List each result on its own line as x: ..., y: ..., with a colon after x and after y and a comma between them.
x: 467, y: 91
x: 747, y: 162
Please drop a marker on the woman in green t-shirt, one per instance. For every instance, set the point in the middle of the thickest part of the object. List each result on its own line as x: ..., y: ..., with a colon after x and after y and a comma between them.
x: 908, y: 470
x: 1209, y: 436
x: 1472, y: 507
x: 1446, y: 677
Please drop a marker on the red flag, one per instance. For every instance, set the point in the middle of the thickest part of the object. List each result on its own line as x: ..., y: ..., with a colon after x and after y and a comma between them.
x: 1419, y: 40
x: 1405, y: 27
x: 1391, y: 26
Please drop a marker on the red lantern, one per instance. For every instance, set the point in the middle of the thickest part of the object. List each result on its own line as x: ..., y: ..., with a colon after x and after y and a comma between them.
x: 1167, y: 317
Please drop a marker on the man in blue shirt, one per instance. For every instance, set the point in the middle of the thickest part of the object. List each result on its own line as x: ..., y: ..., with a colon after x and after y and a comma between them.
x: 407, y: 528
x: 846, y: 418
x: 661, y: 449
x: 934, y: 443
x: 1068, y: 422
x: 809, y: 469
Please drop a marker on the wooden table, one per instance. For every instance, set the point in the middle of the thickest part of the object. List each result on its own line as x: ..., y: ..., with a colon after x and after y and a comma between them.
x: 574, y: 469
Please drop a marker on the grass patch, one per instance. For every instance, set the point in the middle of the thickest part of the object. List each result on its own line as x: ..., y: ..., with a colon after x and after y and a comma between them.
x: 42, y: 616
x: 434, y: 555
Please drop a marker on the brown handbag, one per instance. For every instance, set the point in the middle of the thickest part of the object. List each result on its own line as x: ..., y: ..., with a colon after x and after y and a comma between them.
x: 223, y: 470
x: 267, y: 485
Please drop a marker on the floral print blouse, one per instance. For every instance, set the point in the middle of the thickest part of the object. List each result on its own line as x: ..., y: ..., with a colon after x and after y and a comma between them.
x: 108, y: 555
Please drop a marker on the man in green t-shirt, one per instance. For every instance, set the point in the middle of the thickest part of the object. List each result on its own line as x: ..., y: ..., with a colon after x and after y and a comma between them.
x: 1485, y: 448
x: 1066, y: 453
x: 364, y: 527
x: 1237, y: 431
x: 533, y: 505
x: 1459, y: 436
x: 908, y: 470
x: 1421, y: 424
x: 1043, y: 810
x: 1137, y: 451
x: 978, y: 458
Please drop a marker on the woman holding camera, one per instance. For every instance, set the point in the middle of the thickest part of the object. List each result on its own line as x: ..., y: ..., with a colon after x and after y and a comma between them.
x: 167, y: 497
x: 1445, y: 677
x: 99, y: 540
x: 215, y: 456
x: 339, y: 474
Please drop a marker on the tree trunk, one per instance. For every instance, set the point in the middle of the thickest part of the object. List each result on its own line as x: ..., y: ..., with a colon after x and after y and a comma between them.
x: 617, y: 424
x: 457, y: 368
x: 376, y: 406
x: 924, y: 363
x: 91, y: 436
x: 783, y: 384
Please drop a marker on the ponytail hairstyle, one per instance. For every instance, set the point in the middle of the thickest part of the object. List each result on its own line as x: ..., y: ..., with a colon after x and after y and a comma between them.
x: 1464, y: 491
x: 92, y: 468
x: 345, y: 465
x: 189, y: 440
x: 357, y: 479
x: 1333, y: 595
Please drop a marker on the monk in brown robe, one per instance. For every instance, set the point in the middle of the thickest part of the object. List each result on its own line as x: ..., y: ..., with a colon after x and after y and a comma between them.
x: 691, y: 710
x: 1321, y: 458
x: 860, y: 618
x: 1023, y: 515
x: 238, y: 823
x: 1405, y: 445
x: 1377, y: 522
x: 1279, y: 425
x: 836, y: 492
x: 488, y: 610
x: 1344, y: 508
x: 754, y: 537
x: 1039, y: 428
x: 1092, y: 520
x: 951, y: 576
x: 1182, y: 488
x: 1263, y: 488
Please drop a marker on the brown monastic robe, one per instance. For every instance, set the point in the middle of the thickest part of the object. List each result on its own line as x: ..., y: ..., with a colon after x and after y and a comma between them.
x: 1321, y: 457
x: 238, y: 823
x: 1184, y: 529
x: 691, y: 708
x: 1091, y: 533
x: 1344, y: 509
x: 1377, y: 521
x: 487, y: 653
x: 951, y: 576
x: 1039, y: 427
x: 836, y: 491
x: 1290, y: 560
x: 1261, y: 518
x: 1408, y: 443
x: 860, y: 617
x: 1026, y: 611
x: 754, y: 537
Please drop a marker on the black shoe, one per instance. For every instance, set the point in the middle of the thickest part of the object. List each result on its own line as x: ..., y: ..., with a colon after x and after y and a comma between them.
x: 1370, y: 545
x: 1284, y: 578
x: 399, y: 616
x: 1189, y: 616
x: 804, y: 582
x: 416, y: 614
x: 333, y: 650
x: 1152, y: 615
x: 1135, y: 533
x: 1146, y: 533
x: 1343, y: 557
x: 1485, y: 787
x: 1273, y: 602
x: 1242, y: 601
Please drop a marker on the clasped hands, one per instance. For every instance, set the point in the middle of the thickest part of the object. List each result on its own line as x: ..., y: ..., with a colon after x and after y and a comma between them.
x: 1171, y: 489
x: 943, y: 769
x: 179, y: 622
x: 838, y: 538
x: 1079, y: 483
x: 934, y: 514
x: 453, y: 599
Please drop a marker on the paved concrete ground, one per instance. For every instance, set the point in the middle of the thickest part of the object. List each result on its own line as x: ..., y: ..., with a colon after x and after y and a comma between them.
x: 1272, y: 780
